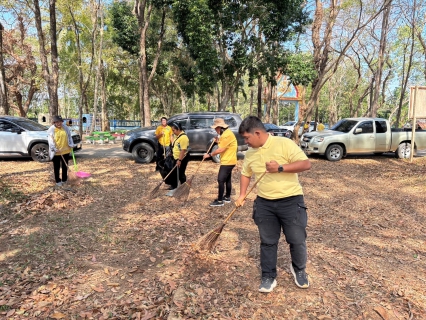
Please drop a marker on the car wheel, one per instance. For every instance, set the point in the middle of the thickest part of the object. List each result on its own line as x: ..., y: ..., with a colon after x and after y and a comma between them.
x: 334, y: 152
x: 143, y: 153
x: 40, y: 152
x: 215, y: 158
x: 403, y: 151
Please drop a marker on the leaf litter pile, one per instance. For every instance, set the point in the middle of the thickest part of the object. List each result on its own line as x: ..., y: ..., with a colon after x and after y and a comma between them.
x: 104, y: 250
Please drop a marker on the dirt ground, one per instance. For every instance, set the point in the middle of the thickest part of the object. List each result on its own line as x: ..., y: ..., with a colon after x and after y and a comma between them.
x: 104, y: 250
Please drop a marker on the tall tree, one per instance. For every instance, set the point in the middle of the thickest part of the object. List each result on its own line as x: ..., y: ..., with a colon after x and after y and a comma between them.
x: 50, y: 74
x: 4, y: 106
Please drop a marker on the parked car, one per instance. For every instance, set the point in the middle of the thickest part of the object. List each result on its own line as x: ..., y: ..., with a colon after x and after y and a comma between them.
x: 362, y: 135
x: 26, y: 138
x: 143, y: 145
x: 289, y: 126
x: 275, y: 130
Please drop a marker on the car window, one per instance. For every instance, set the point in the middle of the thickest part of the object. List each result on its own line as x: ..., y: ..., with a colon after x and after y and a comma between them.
x: 344, y: 125
x: 200, y: 123
x: 7, y: 126
x: 290, y: 123
x: 367, y: 126
x: 30, y: 125
x: 381, y: 126
x: 183, y: 122
x: 230, y: 121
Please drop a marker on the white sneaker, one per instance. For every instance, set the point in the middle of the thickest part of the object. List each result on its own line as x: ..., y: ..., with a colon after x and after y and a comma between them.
x: 59, y: 184
x: 171, y: 193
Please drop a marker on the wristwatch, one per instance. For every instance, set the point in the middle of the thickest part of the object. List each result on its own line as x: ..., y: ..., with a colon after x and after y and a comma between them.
x: 280, y: 168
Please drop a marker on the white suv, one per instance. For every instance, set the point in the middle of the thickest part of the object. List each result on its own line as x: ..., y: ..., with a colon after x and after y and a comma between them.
x: 291, y: 124
x: 27, y: 138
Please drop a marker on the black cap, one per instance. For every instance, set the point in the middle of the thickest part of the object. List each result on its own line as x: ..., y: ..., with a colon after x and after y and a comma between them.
x: 57, y: 118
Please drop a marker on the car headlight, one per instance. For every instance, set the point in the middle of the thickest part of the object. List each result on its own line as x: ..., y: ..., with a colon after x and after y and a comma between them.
x: 126, y: 137
x: 318, y: 139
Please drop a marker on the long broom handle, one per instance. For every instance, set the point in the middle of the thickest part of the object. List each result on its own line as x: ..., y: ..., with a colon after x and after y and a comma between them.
x: 203, y: 158
x: 235, y: 209
x: 65, y: 161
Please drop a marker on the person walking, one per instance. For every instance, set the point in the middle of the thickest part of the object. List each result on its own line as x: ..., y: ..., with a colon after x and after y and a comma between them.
x: 164, y: 135
x: 227, y: 148
x: 279, y: 204
x: 60, y: 144
x: 180, y: 153
x: 320, y: 126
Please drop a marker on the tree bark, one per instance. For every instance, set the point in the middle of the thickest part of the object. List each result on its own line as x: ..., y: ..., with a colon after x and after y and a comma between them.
x: 4, y: 105
x: 51, y: 77
x: 382, y: 48
x: 259, y: 97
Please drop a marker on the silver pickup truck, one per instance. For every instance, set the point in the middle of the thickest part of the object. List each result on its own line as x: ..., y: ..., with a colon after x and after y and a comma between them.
x: 361, y: 135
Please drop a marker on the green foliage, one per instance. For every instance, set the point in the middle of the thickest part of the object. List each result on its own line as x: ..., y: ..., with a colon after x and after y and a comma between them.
x: 300, y: 68
x: 125, y: 28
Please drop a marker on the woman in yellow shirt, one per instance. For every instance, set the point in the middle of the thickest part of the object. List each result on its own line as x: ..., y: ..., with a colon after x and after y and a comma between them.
x: 60, y: 144
x: 164, y: 135
x: 227, y: 148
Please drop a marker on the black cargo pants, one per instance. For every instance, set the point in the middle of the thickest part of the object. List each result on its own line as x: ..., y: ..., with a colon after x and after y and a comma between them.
x: 272, y: 216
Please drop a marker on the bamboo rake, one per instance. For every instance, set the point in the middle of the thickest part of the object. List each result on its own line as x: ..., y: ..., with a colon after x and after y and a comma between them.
x: 182, y: 192
x: 208, y: 241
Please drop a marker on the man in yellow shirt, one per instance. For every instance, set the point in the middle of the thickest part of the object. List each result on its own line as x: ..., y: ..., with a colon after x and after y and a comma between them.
x: 279, y: 203
x: 164, y: 135
x: 227, y: 148
x: 320, y: 126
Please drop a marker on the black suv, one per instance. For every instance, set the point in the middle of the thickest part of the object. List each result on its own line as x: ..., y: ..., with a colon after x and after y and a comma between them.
x: 197, y: 125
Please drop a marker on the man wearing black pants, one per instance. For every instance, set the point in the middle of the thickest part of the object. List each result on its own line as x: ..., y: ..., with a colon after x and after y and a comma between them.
x: 279, y: 204
x: 227, y: 148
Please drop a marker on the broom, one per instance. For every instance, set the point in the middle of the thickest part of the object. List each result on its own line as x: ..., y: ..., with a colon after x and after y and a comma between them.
x: 182, y: 192
x: 154, y: 193
x: 208, y: 241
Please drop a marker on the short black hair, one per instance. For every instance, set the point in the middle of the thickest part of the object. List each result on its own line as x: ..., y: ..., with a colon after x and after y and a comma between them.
x: 176, y: 125
x: 163, y: 118
x: 250, y: 124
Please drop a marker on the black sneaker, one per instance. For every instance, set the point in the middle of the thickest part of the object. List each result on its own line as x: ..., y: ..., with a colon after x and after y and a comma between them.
x: 216, y: 203
x: 267, y: 284
x: 300, y: 278
x: 227, y: 199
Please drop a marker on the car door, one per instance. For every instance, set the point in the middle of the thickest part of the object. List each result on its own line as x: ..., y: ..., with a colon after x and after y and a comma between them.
x: 364, y: 141
x: 383, y: 139
x: 12, y: 138
x: 200, y: 132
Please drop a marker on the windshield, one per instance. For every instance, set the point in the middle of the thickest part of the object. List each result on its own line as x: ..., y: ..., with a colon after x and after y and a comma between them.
x: 290, y: 123
x: 30, y: 125
x: 270, y: 126
x: 344, y: 125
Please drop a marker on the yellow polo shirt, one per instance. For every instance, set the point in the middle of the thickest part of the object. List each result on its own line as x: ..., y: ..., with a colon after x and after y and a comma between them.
x: 164, y: 140
x: 274, y: 185
x: 61, y: 141
x: 181, y: 143
x: 227, y: 140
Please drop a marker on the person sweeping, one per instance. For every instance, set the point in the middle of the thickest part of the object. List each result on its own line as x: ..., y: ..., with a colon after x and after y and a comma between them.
x: 279, y: 204
x: 180, y: 155
x: 227, y: 148
x: 164, y: 135
x: 60, y: 145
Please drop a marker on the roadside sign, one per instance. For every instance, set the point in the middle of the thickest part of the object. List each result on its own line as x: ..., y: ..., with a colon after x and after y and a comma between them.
x: 420, y: 102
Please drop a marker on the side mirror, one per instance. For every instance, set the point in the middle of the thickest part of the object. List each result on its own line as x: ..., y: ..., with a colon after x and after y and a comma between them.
x: 358, y: 130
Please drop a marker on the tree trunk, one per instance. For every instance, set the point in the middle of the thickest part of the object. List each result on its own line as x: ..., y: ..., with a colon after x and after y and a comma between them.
x: 251, y: 100
x: 51, y: 78
x: 143, y: 12
x: 381, y: 62
x: 106, y: 126
x: 259, y: 97
x: 4, y: 105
